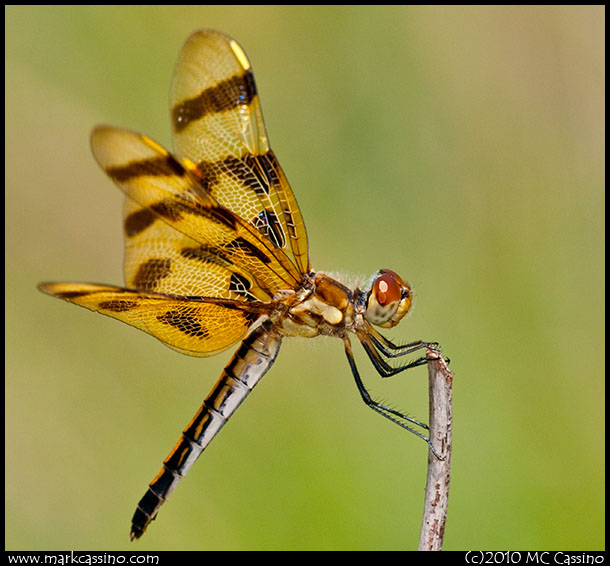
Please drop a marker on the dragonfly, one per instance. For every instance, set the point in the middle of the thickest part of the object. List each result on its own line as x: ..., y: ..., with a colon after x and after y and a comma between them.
x: 216, y: 253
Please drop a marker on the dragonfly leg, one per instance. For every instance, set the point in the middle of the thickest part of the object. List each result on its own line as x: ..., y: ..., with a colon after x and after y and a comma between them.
x: 391, y: 414
x: 391, y: 350
x: 384, y: 369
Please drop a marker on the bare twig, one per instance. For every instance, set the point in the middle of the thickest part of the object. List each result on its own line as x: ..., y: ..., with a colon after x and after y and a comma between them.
x: 439, y: 471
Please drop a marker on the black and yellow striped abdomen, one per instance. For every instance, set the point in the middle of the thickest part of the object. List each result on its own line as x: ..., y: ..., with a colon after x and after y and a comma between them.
x: 246, y: 368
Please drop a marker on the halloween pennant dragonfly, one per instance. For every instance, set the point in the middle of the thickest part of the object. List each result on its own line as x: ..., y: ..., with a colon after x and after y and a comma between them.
x: 216, y: 252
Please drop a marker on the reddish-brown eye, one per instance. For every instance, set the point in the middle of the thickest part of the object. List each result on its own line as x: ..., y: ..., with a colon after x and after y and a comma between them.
x: 388, y: 300
x: 387, y: 289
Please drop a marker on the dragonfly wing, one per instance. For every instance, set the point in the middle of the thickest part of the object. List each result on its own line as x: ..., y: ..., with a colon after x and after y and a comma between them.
x: 218, y: 125
x: 194, y: 327
x: 167, y: 198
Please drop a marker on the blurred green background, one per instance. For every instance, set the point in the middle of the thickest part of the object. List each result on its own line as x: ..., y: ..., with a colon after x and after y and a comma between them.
x: 461, y: 147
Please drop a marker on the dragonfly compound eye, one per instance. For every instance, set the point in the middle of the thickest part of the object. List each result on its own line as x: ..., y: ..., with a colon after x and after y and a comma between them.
x: 388, y: 300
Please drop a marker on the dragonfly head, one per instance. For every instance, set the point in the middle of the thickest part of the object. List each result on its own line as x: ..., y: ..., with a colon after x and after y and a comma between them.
x: 388, y: 299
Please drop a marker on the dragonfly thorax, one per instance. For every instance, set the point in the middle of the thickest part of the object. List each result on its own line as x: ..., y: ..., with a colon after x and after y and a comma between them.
x: 325, y: 308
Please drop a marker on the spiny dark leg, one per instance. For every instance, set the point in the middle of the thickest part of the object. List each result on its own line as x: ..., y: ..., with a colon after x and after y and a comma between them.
x: 383, y: 410
x: 386, y: 346
x: 383, y: 368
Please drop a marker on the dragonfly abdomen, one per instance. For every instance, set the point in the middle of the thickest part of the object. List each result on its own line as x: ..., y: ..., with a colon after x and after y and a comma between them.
x: 254, y: 357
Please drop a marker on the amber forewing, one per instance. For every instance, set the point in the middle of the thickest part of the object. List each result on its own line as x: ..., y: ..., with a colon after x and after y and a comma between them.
x: 167, y: 199
x: 218, y: 125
